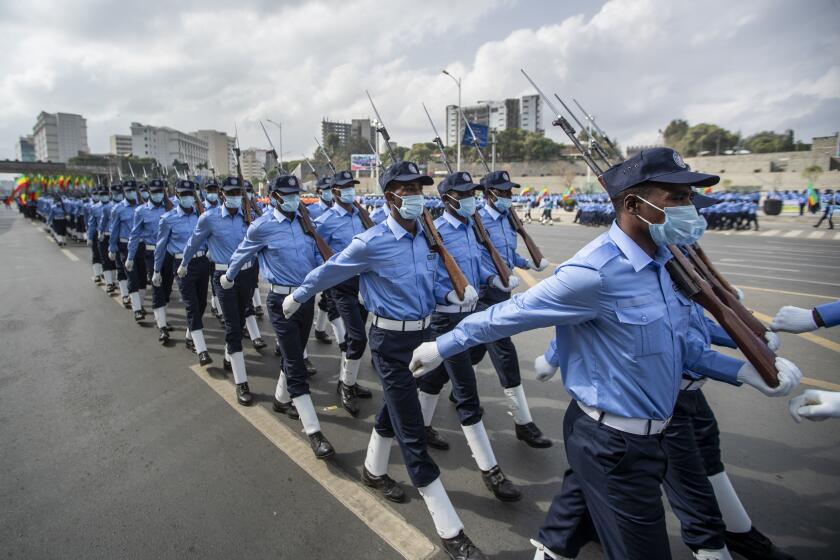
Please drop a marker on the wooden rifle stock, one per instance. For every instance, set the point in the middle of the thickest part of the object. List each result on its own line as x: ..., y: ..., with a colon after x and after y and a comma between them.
x: 309, y: 229
x: 708, y: 262
x: 456, y: 276
x: 754, y: 348
x: 481, y: 234
x: 750, y: 320
x: 533, y: 250
x: 363, y: 215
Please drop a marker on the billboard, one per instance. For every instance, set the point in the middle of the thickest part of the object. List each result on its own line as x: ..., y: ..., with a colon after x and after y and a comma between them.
x: 481, y: 133
x: 362, y: 162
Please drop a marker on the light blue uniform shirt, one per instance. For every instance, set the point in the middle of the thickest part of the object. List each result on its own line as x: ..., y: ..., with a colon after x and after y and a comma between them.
x: 221, y: 231
x: 174, y: 230
x: 502, y: 235
x: 146, y: 225
x: 396, y: 272
x: 93, y: 220
x: 285, y: 253
x: 122, y: 220
x: 379, y: 214
x: 316, y: 209
x: 338, y: 227
x: 459, y: 239
x: 830, y: 313
x: 104, y: 225
x: 621, y: 328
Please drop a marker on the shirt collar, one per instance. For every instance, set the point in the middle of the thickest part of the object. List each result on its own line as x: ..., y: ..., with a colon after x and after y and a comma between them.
x: 226, y: 214
x: 339, y: 209
x: 635, y: 254
x: 455, y: 222
x: 396, y: 228
x: 495, y: 214
x: 279, y: 216
x: 180, y: 210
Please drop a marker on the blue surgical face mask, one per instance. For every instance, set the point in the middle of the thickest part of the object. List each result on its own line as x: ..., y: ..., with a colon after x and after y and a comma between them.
x: 131, y: 195
x: 467, y: 206
x: 327, y: 196
x: 290, y: 202
x: 412, y: 206
x: 233, y: 201
x: 118, y: 197
x: 156, y: 197
x: 348, y: 194
x: 187, y: 201
x: 212, y: 197
x: 144, y: 195
x: 502, y: 204
x: 682, y: 225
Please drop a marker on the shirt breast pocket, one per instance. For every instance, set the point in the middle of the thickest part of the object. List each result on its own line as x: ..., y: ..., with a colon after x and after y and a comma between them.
x: 643, y: 318
x: 393, y: 270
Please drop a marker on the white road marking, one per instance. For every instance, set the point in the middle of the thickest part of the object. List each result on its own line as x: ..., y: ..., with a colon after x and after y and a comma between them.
x: 373, y: 512
x: 70, y: 255
x: 816, y: 235
x: 785, y: 279
x: 786, y: 292
x: 837, y: 236
x: 770, y: 232
x: 770, y: 266
x: 781, y: 260
x: 793, y: 233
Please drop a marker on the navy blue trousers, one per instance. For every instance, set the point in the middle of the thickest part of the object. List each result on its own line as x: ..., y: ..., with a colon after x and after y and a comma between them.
x: 458, y: 369
x: 326, y: 304
x: 687, y: 486
x: 400, y: 416
x: 345, y: 297
x: 108, y: 264
x: 137, y: 277
x: 161, y: 294
x: 502, y: 352
x: 95, y: 257
x: 193, y: 287
x: 707, y: 435
x: 610, y: 493
x: 236, y: 305
x: 292, y: 334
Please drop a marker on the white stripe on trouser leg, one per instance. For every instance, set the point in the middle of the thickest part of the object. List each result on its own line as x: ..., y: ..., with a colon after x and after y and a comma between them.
x: 227, y: 354
x: 135, y: 301
x: 378, y: 454
x: 734, y: 515
x: 349, y: 371
x: 320, y: 319
x: 428, y: 403
x: 306, y: 411
x: 479, y: 444
x: 251, y: 325
x: 338, y: 330
x: 160, y: 316
x: 109, y: 276
x: 256, y: 299
x: 237, y: 364
x: 198, y: 340
x: 189, y: 335
x: 716, y: 554
x: 446, y: 519
x: 543, y: 553
x: 214, y: 303
x: 123, y: 288
x: 518, y: 405
x: 305, y: 354
x: 142, y: 296
x: 281, y: 393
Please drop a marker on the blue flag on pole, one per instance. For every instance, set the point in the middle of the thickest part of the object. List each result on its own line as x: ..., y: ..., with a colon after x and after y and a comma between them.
x: 481, y: 134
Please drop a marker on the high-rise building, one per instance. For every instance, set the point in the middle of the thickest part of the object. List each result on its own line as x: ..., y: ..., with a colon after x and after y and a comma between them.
x: 524, y: 113
x: 166, y: 145
x: 340, y: 129
x: 531, y: 114
x: 59, y: 136
x: 25, y: 148
x: 253, y: 161
x: 219, y: 150
x: 363, y: 129
x: 120, y: 144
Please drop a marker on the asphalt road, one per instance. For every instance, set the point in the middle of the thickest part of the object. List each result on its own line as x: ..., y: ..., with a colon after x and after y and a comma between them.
x: 114, y: 447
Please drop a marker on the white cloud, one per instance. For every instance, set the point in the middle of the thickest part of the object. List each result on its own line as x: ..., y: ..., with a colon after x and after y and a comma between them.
x: 749, y: 66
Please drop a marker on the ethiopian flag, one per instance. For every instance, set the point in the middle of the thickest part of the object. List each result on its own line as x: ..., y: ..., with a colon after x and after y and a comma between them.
x: 526, y: 190
x: 542, y: 195
x: 813, y: 199
x: 568, y: 193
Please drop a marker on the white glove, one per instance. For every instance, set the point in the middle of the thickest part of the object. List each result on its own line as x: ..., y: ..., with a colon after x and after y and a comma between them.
x: 470, y: 297
x: 426, y: 357
x: 542, y: 266
x: 794, y: 319
x: 290, y: 305
x: 129, y: 265
x: 112, y: 256
x: 88, y: 242
x: 815, y: 405
x: 773, y: 340
x: 514, y: 282
x: 101, y: 236
x: 182, y: 271
x: 544, y: 370
x: 157, y: 280
x: 529, y: 264
x: 787, y: 372
x: 739, y: 293
x: 225, y: 282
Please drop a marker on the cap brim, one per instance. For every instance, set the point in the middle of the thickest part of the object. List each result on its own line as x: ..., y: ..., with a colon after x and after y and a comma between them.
x: 687, y: 178
x: 424, y: 180
x: 344, y: 182
x: 502, y: 186
x: 701, y: 201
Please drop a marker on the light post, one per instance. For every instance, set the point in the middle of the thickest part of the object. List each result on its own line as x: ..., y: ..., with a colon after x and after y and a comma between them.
x: 458, y: 127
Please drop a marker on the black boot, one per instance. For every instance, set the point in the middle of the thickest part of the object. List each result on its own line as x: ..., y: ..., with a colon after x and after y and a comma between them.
x: 323, y: 337
x: 753, y: 545
x: 320, y: 446
x: 434, y: 440
x: 126, y: 302
x: 258, y: 343
x: 531, y: 435
x: 164, y: 335
x: 361, y: 392
x: 139, y: 315
x: 277, y: 350
x: 243, y: 394
x: 204, y: 358
x: 286, y: 408
x: 310, y: 367
x: 110, y: 288
x: 189, y: 344
x: 460, y: 547
x: 347, y: 398
x: 226, y: 364
x: 385, y: 484
x: 496, y: 481
x: 258, y: 311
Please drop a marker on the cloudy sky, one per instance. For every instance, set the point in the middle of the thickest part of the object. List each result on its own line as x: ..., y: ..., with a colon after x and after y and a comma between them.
x: 748, y: 65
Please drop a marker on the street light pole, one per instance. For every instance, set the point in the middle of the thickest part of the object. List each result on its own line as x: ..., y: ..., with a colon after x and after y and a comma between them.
x: 458, y: 127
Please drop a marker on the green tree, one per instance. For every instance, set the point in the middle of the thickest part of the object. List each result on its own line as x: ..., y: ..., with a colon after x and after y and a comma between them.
x: 768, y: 141
x: 674, y: 134
x: 710, y: 138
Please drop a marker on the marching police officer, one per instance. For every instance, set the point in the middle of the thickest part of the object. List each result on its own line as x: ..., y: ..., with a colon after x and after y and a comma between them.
x: 621, y: 329
x: 396, y: 270
x: 211, y: 202
x: 144, y: 233
x: 286, y: 255
x: 122, y: 222
x: 91, y: 235
x: 325, y: 310
x: 114, y: 276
